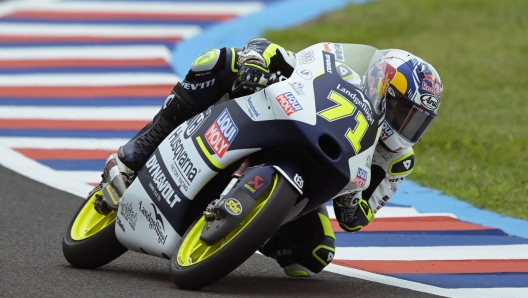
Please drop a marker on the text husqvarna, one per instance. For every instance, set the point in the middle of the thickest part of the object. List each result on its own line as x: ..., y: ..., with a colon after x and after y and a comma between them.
x: 183, y: 167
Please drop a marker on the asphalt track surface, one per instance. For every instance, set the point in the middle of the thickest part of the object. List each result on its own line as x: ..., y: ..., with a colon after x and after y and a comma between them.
x: 34, y: 217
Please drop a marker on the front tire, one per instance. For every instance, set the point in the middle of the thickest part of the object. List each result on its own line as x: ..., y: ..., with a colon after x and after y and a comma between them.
x: 196, y: 264
x: 90, y: 241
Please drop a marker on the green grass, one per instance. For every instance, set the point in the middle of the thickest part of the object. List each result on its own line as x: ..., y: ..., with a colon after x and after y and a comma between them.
x: 477, y: 148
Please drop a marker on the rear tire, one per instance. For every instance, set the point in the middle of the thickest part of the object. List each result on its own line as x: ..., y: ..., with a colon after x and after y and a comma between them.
x: 95, y: 242
x: 216, y: 261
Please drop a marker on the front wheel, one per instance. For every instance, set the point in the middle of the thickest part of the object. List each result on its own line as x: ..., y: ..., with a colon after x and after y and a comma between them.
x: 90, y: 241
x: 195, y: 264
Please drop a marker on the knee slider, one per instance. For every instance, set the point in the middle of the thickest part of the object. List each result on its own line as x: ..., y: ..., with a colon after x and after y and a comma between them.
x: 296, y: 270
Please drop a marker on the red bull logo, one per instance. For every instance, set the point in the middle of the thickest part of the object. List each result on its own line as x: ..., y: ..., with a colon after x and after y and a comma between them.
x: 386, y: 74
x: 435, y: 87
x: 221, y: 133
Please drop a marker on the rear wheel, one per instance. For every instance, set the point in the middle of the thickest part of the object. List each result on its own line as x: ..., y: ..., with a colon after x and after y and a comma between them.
x: 195, y: 264
x: 90, y: 241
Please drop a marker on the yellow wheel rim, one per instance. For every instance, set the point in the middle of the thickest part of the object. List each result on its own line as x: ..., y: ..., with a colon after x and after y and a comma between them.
x: 193, y: 250
x: 89, y: 222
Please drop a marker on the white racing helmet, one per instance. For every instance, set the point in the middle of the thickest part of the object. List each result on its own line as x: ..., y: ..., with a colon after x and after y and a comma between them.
x: 412, y: 90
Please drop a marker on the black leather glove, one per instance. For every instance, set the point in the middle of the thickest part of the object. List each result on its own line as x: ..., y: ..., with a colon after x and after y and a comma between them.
x: 253, y: 74
x: 352, y: 213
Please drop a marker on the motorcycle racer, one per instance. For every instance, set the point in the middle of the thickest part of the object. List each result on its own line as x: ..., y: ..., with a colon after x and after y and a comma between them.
x: 412, y: 91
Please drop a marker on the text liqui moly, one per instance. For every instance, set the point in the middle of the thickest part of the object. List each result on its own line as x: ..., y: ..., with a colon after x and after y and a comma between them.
x: 221, y: 133
x: 289, y: 103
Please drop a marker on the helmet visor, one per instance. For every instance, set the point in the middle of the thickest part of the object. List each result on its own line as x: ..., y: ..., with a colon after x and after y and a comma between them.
x: 406, y: 117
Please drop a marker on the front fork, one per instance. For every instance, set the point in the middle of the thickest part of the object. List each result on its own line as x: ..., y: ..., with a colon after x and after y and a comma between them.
x: 116, y: 178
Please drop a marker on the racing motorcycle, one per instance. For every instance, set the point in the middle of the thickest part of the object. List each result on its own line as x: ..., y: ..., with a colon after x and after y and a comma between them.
x: 222, y: 183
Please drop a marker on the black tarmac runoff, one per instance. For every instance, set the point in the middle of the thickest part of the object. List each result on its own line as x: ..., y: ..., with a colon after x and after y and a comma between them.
x: 34, y: 218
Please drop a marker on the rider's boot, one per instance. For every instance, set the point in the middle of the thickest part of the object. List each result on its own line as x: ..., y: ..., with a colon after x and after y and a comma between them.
x: 178, y: 107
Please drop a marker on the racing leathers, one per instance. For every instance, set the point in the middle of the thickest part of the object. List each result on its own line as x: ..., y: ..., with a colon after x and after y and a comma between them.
x: 306, y: 245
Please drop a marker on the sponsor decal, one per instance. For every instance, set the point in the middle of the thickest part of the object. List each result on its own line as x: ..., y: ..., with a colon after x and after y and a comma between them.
x: 129, y: 215
x: 160, y: 186
x: 340, y: 58
x: 307, y: 57
x: 384, y: 153
x: 203, y: 85
x: 328, y: 63
x: 168, y: 100
x: 195, y: 122
x: 382, y: 202
x: 255, y: 184
x: 327, y: 47
x: 155, y: 223
x: 182, y: 168
x: 289, y: 103
x: 338, y: 48
x: 282, y: 252
x: 391, y: 92
x: 221, y: 133
x: 429, y: 101
x: 253, y: 113
x: 386, y: 131
x: 433, y: 90
x: 436, y: 85
x: 348, y: 215
x: 364, y: 104
x: 304, y: 73
x: 297, y: 87
x: 396, y: 179
x: 118, y: 221
x: 368, y: 163
x: 361, y: 178
x: 233, y: 206
x: 384, y: 69
x: 407, y: 164
x: 298, y: 180
x: 345, y: 72
x: 403, y: 166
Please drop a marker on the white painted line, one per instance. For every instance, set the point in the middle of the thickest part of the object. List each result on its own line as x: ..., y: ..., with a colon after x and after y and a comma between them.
x: 389, y: 211
x: 11, y: 6
x: 87, y: 52
x: 392, y: 281
x: 227, y: 7
x: 78, y: 30
x: 90, y: 79
x: 84, y: 176
x: 62, y: 143
x: 38, y: 172
x: 76, y: 113
x: 490, y: 292
x: 479, y: 252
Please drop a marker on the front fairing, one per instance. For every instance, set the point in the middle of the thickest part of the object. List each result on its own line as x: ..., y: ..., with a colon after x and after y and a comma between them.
x: 331, y: 116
